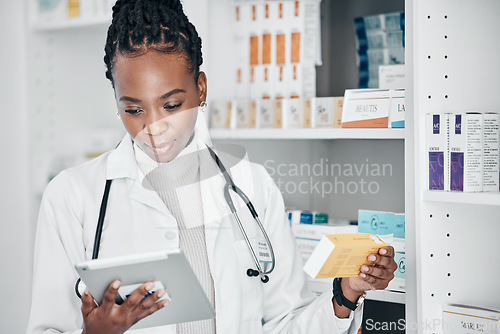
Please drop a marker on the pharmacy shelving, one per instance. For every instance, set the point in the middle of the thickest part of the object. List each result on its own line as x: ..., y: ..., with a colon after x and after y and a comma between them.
x: 78, y: 22
x: 451, y: 238
x: 492, y: 199
x: 319, y: 133
x: 53, y: 15
x: 450, y: 52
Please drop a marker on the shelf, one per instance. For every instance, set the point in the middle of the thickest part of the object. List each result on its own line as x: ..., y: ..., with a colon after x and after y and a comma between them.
x: 462, y: 198
x: 386, y: 296
x: 69, y: 23
x: 319, y: 133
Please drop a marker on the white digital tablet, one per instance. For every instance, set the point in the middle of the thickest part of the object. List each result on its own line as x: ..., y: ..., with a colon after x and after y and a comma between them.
x: 167, y: 268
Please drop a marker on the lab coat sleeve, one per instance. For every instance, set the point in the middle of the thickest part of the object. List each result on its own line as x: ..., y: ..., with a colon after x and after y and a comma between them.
x: 55, y: 308
x: 289, y: 306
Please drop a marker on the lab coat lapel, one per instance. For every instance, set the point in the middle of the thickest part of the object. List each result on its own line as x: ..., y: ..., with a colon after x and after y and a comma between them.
x: 214, y: 204
x: 122, y: 164
x: 148, y: 196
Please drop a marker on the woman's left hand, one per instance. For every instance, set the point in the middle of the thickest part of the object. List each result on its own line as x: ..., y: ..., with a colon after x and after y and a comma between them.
x: 378, y: 275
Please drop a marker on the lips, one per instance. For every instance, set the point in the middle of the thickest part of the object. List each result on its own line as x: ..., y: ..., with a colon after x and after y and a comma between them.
x: 160, y: 148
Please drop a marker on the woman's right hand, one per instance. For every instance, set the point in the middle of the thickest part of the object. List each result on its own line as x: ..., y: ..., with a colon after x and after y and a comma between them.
x: 111, y: 318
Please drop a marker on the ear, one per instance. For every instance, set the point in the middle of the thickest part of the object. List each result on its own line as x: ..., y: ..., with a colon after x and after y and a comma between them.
x: 202, y: 86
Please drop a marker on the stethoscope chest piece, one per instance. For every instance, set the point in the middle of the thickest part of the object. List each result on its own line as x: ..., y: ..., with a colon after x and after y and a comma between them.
x: 254, y: 273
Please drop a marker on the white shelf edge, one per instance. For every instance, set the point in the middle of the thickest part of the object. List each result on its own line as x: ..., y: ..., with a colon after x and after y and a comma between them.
x: 462, y: 198
x: 69, y: 23
x: 386, y: 296
x: 316, y: 133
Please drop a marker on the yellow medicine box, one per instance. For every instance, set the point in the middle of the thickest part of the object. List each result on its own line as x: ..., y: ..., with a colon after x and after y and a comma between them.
x: 341, y: 255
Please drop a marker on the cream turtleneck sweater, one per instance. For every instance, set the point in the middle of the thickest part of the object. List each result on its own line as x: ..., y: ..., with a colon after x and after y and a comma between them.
x: 178, y: 185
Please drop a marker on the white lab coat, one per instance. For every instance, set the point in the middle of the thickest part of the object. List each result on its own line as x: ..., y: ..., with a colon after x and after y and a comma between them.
x: 138, y: 221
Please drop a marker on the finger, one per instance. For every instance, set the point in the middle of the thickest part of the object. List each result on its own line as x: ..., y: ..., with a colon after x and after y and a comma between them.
x: 378, y: 272
x: 138, y: 295
x: 374, y: 282
x: 108, y: 301
x: 147, y: 302
x: 383, y: 261
x: 88, y: 303
x: 371, y: 280
x: 386, y: 251
x: 147, y: 311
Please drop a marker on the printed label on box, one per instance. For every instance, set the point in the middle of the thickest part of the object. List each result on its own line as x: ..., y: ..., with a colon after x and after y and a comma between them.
x: 376, y: 222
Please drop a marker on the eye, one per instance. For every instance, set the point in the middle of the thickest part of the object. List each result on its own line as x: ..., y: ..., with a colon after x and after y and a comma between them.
x: 172, y: 107
x: 133, y: 111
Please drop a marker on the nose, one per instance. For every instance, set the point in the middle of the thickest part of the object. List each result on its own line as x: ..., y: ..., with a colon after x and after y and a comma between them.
x: 156, y: 124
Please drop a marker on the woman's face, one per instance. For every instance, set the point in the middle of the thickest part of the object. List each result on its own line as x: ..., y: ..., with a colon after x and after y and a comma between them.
x: 158, y: 99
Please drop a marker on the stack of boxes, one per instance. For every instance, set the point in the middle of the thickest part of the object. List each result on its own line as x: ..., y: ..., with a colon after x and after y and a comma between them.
x: 278, y: 45
x: 294, y: 113
x: 379, y: 41
x: 463, y: 151
x: 390, y: 227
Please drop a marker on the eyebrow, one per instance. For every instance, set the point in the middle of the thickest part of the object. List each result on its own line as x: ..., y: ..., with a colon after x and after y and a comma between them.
x: 164, y: 96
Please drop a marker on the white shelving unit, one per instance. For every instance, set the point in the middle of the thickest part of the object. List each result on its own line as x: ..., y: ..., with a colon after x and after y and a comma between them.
x: 318, y: 133
x: 451, y: 237
x: 72, y: 23
x: 492, y: 199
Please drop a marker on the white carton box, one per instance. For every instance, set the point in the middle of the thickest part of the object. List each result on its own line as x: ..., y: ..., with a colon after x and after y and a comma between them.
x: 398, y: 109
x: 265, y: 111
x: 293, y: 113
x: 220, y: 114
x: 491, y: 152
x: 391, y: 76
x: 245, y: 113
x: 366, y: 108
x: 242, y: 82
x: 256, y: 82
x: 465, y: 319
x: 281, y: 86
x: 466, y: 152
x: 308, y: 235
x: 267, y: 90
x: 438, y: 137
x: 323, y: 109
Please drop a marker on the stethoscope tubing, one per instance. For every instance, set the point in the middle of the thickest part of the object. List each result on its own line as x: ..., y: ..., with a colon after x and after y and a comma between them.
x: 228, y: 186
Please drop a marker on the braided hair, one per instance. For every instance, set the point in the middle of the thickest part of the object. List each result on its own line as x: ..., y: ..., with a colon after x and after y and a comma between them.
x: 139, y: 26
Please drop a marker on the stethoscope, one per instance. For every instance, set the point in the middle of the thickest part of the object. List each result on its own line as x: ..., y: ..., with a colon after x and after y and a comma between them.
x: 227, y: 187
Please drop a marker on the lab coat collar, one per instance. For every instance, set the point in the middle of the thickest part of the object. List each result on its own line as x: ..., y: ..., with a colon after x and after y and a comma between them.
x: 121, y: 161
